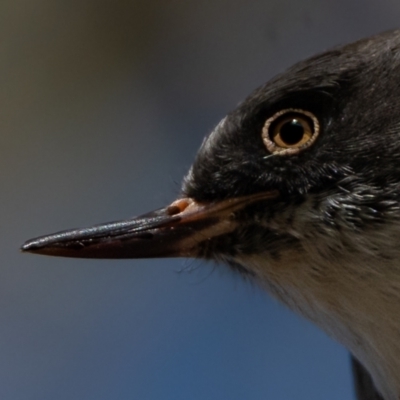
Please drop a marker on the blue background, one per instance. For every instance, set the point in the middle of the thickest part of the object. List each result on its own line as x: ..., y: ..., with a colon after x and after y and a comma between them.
x: 103, y: 105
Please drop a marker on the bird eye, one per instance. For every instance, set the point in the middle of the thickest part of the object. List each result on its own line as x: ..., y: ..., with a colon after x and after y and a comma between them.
x: 290, y: 131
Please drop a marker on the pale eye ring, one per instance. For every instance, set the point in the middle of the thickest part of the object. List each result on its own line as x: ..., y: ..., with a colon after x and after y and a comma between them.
x: 290, y: 131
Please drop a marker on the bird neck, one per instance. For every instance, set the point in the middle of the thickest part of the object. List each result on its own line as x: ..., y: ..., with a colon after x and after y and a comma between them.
x: 353, y: 295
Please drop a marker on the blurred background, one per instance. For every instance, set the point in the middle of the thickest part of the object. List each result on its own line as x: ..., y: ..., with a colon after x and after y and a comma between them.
x: 103, y: 105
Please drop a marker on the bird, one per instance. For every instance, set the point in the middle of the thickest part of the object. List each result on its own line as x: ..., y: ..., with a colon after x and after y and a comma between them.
x: 298, y: 189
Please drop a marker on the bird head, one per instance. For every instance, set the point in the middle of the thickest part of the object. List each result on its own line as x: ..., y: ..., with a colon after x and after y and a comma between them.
x: 299, y: 187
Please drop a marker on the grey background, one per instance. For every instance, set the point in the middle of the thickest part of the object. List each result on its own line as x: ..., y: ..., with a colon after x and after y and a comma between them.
x: 103, y: 105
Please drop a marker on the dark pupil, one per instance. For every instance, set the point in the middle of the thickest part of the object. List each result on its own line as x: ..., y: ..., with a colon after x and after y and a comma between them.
x: 292, y: 131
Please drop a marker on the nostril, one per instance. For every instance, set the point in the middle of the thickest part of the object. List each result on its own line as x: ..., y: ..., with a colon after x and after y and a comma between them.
x: 178, y: 206
x: 172, y: 210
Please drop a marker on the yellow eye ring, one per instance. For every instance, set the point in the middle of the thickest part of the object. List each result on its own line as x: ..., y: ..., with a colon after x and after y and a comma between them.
x: 290, y: 131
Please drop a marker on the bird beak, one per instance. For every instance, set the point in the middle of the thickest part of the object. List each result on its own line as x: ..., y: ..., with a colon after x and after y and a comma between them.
x: 178, y: 230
